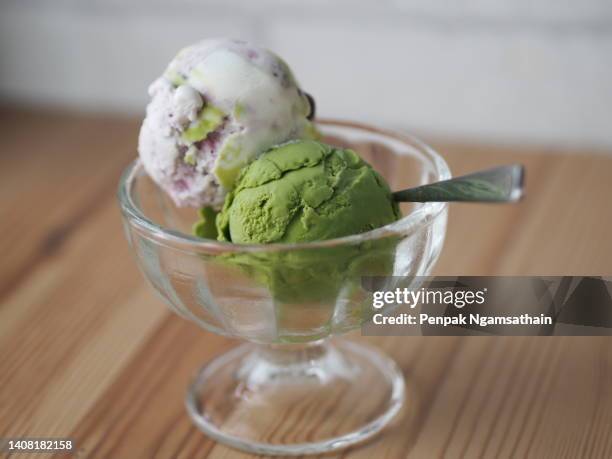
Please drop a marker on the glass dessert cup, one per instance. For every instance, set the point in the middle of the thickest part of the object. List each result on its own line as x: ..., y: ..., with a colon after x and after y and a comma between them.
x: 290, y: 389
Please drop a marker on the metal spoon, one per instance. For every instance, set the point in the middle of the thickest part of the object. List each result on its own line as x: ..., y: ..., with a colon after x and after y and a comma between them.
x: 500, y: 184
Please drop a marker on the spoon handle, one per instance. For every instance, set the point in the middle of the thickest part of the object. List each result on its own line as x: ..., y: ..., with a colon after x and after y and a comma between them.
x: 500, y: 184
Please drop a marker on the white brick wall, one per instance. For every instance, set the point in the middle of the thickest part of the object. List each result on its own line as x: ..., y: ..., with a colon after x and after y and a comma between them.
x: 522, y: 70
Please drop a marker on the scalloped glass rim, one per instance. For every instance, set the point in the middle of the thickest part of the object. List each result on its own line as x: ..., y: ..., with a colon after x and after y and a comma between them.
x: 421, y: 216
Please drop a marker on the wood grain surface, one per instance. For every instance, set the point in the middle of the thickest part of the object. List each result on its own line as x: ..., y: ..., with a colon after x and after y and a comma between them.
x: 87, y: 351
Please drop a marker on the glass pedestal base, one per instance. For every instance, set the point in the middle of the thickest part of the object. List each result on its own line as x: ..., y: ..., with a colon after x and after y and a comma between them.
x: 296, y: 399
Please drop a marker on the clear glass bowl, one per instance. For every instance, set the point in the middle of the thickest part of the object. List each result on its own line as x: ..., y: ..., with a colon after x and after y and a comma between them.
x: 290, y: 390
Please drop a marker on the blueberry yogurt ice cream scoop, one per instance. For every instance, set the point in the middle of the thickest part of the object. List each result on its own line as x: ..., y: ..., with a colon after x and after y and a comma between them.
x: 219, y: 104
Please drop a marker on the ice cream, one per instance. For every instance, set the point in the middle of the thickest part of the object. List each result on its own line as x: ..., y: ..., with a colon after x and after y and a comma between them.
x: 305, y: 191
x: 217, y: 106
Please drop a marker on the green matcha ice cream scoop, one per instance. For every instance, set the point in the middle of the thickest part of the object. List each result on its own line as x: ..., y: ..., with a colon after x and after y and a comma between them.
x: 305, y: 191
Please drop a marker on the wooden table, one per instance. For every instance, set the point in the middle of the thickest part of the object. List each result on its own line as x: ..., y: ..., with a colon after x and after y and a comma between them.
x: 87, y: 351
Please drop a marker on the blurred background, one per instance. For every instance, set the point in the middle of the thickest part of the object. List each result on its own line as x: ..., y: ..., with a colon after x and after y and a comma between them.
x: 520, y: 71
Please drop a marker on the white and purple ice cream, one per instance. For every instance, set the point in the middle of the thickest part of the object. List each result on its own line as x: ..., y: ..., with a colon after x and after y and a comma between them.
x: 218, y: 105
